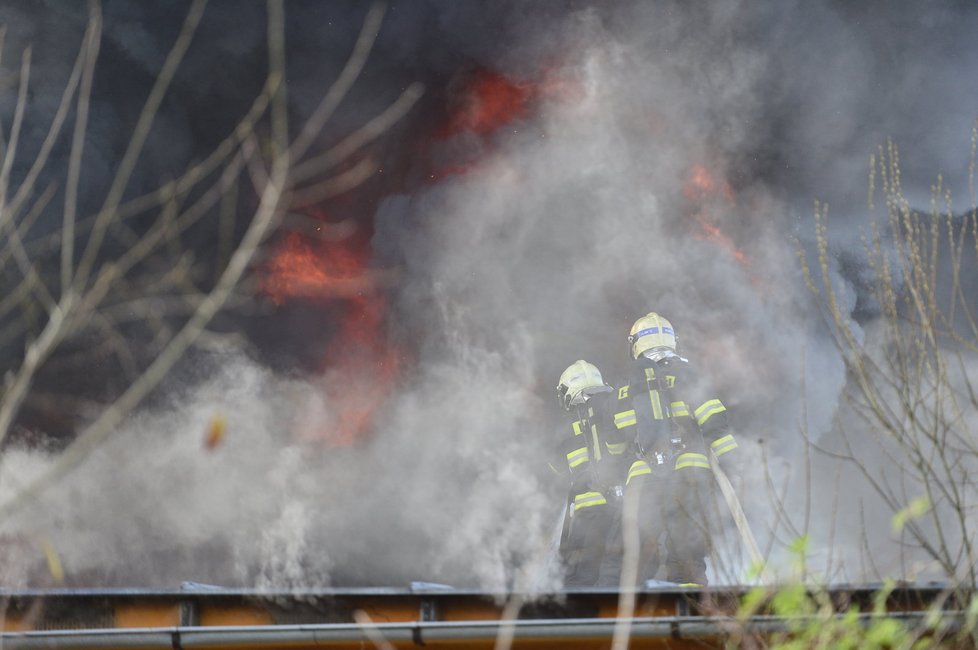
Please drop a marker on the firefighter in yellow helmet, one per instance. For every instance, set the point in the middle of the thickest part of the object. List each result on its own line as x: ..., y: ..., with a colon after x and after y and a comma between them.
x: 590, y: 547
x: 674, y: 425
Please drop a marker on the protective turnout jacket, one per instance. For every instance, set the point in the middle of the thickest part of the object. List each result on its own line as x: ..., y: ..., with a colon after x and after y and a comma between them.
x: 588, y: 451
x: 672, y: 421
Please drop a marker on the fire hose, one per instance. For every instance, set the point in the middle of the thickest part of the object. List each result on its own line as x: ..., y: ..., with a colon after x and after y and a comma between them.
x: 739, y: 517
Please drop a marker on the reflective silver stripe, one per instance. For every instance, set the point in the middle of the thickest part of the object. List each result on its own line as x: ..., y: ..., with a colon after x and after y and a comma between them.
x: 638, y: 468
x: 708, y: 410
x: 722, y: 445
x: 692, y: 459
x: 577, y: 457
x: 679, y: 409
x: 625, y: 419
x: 588, y: 499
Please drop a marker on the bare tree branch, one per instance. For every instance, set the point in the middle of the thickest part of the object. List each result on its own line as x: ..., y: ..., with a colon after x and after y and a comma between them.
x: 157, y: 282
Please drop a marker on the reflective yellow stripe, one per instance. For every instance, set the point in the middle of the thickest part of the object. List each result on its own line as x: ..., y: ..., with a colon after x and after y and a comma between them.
x: 625, y: 419
x: 638, y: 468
x: 722, y: 445
x: 679, y: 409
x: 623, y: 392
x: 617, y: 449
x: 692, y: 459
x: 707, y: 410
x: 577, y: 457
x: 588, y: 499
x: 577, y: 428
x: 656, y: 404
x: 596, y: 443
x: 668, y: 380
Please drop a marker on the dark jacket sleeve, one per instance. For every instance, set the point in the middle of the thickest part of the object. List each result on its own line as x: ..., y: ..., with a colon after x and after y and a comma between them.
x: 711, y: 416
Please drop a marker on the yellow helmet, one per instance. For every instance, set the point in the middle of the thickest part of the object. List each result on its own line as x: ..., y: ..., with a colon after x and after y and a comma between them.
x: 577, y: 382
x: 651, y: 332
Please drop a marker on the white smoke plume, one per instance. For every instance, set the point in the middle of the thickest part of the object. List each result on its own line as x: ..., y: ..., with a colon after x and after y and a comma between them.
x: 568, y: 223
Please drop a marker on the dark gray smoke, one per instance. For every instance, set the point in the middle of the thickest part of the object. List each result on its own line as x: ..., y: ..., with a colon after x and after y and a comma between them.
x: 549, y: 235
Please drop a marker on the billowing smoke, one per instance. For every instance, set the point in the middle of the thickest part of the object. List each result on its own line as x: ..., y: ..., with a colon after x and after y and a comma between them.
x: 570, y: 168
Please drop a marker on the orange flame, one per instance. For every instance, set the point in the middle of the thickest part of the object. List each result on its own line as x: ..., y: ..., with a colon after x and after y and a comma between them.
x: 714, y: 234
x: 702, y: 189
x: 363, y: 367
x: 701, y: 185
x: 488, y: 100
x: 298, y: 270
x: 360, y: 366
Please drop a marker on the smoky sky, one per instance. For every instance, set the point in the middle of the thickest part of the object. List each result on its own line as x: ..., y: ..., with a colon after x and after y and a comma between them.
x: 517, y: 250
x: 796, y: 94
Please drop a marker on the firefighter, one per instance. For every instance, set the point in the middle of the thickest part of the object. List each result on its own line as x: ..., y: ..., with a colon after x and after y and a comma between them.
x: 590, y: 545
x: 674, y: 424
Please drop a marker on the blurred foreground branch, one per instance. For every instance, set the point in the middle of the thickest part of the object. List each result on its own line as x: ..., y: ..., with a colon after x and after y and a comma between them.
x: 912, y: 425
x: 126, y: 265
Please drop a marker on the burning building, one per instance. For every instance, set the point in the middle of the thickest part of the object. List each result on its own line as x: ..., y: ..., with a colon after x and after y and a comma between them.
x: 374, y: 402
